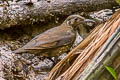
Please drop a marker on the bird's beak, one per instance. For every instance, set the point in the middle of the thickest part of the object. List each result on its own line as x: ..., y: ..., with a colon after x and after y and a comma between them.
x: 89, y: 20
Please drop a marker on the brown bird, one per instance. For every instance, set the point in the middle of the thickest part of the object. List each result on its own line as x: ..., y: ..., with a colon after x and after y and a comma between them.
x: 55, y: 41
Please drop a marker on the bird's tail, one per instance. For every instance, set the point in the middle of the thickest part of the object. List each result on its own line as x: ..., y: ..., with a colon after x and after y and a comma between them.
x: 20, y: 50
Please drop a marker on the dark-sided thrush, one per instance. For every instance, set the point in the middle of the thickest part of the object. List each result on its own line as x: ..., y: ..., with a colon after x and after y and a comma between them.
x: 54, y: 41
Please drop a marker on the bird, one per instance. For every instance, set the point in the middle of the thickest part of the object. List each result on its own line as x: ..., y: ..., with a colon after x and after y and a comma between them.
x: 55, y: 41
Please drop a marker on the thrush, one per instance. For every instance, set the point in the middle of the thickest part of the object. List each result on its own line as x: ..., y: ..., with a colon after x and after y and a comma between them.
x: 54, y: 41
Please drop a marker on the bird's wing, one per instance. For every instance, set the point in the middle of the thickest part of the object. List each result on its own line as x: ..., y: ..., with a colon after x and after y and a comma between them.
x: 45, y: 41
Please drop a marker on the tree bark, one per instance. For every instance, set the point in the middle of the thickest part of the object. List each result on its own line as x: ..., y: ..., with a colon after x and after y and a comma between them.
x: 44, y: 11
x: 108, y: 57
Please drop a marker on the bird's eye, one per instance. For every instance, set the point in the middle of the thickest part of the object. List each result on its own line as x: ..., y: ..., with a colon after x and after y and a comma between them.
x: 76, y: 19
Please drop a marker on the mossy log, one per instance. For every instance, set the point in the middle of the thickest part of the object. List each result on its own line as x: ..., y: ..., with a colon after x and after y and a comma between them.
x: 43, y: 11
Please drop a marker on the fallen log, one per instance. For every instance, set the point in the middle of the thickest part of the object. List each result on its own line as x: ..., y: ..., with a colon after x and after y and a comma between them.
x: 20, y: 14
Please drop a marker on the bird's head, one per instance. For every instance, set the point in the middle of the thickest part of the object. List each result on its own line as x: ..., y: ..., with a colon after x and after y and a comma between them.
x: 75, y: 20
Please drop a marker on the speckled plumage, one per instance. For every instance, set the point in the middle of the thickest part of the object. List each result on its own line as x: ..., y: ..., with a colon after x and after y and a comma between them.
x: 54, y: 41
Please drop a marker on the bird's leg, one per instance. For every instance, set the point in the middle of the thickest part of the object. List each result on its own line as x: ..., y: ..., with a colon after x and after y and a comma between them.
x: 55, y: 61
x: 42, y: 58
